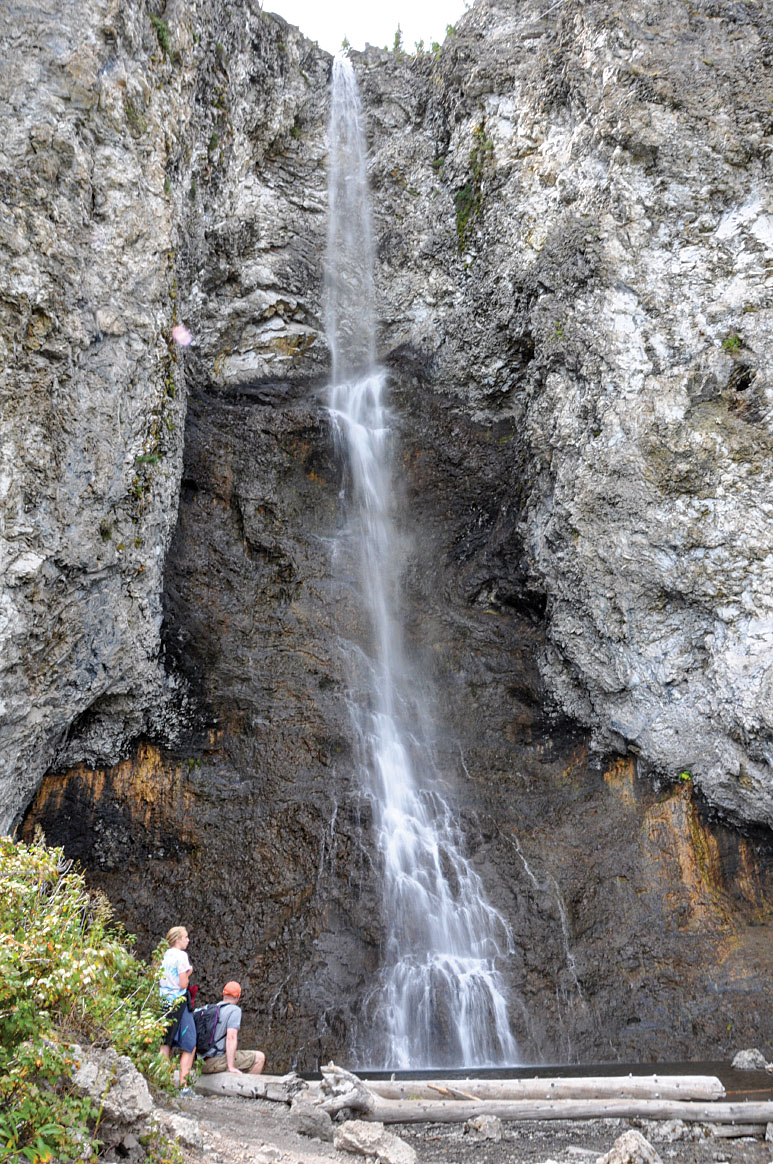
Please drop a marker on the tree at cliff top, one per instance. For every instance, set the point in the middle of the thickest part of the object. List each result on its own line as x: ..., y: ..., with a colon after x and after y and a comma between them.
x: 67, y: 975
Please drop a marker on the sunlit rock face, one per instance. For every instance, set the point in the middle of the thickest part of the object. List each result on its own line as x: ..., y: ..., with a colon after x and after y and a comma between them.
x: 573, y: 246
x: 576, y: 236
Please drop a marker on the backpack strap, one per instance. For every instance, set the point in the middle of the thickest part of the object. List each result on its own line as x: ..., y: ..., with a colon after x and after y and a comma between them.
x: 212, y: 1047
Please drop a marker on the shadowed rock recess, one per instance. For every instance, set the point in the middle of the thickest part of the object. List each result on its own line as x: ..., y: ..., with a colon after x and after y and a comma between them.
x: 575, y: 259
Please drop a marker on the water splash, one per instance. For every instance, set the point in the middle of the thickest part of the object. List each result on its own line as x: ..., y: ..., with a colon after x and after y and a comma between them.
x: 439, y: 999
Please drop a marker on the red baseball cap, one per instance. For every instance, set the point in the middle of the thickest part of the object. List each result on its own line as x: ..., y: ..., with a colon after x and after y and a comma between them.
x: 233, y: 989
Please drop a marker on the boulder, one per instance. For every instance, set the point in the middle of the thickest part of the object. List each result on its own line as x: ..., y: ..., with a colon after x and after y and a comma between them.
x: 371, y: 1139
x: 750, y: 1060
x: 115, y: 1084
x: 309, y: 1119
x: 181, y: 1129
x: 484, y: 1127
x: 669, y: 1131
x: 631, y: 1148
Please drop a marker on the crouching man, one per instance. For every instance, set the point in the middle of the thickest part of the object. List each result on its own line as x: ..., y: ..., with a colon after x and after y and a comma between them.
x: 225, y: 1054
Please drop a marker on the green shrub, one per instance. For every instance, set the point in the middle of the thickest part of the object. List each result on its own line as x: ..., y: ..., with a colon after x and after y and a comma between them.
x: 67, y: 976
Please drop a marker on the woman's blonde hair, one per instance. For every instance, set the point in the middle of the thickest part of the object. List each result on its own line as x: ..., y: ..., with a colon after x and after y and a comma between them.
x: 175, y: 934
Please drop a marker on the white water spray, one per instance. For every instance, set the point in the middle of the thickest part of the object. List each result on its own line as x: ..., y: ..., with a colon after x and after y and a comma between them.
x: 439, y: 1000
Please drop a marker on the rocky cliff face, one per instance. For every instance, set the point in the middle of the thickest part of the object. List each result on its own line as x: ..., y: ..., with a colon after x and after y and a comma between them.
x: 577, y: 237
x: 573, y: 239
x: 128, y: 138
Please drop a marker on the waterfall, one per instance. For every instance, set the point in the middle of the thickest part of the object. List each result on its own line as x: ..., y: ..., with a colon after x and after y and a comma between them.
x: 439, y: 998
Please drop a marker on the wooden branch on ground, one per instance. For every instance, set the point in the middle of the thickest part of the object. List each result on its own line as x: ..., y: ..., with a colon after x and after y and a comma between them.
x: 684, y: 1087
x: 407, y: 1111
x: 450, y: 1092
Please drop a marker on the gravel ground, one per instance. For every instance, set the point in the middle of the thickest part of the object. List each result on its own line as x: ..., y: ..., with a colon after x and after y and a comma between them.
x: 255, y: 1131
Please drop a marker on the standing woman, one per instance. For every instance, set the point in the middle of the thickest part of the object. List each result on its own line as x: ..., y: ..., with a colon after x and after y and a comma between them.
x: 175, y: 975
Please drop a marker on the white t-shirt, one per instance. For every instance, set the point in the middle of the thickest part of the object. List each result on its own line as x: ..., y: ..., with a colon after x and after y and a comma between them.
x: 175, y: 963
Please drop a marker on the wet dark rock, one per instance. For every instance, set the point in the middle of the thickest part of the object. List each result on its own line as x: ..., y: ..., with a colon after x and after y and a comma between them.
x: 633, y: 911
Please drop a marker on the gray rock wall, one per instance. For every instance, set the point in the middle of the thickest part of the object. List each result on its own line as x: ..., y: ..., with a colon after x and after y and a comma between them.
x: 132, y: 157
x: 576, y: 236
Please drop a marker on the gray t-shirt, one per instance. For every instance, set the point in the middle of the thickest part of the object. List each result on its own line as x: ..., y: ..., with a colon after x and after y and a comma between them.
x: 229, y: 1018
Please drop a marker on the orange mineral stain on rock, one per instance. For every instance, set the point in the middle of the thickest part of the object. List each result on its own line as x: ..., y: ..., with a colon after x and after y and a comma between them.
x: 684, y: 857
x: 151, y: 790
x: 750, y: 883
x: 619, y: 778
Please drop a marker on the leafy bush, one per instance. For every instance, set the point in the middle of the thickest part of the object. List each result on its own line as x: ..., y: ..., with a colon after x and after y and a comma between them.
x: 67, y: 975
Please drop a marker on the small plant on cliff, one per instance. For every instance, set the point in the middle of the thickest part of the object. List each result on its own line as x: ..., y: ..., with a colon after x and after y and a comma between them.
x: 162, y: 33
x: 731, y: 343
x: 468, y: 201
x: 67, y: 975
x: 685, y: 777
x: 135, y: 119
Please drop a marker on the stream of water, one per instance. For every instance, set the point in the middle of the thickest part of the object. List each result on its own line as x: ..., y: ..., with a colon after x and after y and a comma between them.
x: 439, y: 999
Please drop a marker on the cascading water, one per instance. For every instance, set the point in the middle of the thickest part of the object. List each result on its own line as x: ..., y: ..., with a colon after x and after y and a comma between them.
x: 439, y: 1000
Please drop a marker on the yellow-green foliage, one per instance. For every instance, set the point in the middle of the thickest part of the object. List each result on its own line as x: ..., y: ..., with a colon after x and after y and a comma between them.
x: 67, y: 976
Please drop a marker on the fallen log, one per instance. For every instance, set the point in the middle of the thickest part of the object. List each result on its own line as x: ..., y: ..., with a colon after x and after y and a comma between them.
x: 407, y: 1111
x: 684, y: 1087
x: 735, y: 1131
x: 280, y: 1088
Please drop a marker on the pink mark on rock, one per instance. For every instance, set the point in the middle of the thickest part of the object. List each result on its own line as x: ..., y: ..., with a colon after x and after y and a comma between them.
x: 181, y: 335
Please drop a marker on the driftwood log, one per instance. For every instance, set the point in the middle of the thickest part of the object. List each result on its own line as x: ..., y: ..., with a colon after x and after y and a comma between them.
x: 706, y: 1087
x: 735, y: 1131
x: 407, y: 1111
x: 280, y: 1088
x: 341, y: 1090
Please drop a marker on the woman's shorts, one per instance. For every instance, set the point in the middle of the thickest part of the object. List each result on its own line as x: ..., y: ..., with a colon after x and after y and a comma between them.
x: 181, y: 1029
